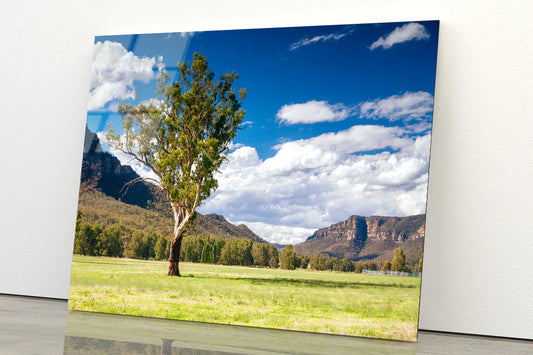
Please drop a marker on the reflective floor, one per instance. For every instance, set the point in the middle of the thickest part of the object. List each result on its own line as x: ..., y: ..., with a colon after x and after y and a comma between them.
x: 40, y: 326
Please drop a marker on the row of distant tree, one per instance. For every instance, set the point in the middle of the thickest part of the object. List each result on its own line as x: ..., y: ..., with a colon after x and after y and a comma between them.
x: 118, y: 240
x: 290, y: 260
x: 213, y: 250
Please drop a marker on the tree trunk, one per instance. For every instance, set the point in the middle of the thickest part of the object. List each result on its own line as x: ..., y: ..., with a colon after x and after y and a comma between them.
x: 181, y: 219
x: 173, y: 261
x: 166, y: 346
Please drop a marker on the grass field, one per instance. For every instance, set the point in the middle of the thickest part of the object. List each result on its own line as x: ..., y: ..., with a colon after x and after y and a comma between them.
x: 329, y: 302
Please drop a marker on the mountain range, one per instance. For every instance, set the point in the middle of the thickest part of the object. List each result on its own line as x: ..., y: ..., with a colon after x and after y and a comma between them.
x: 359, y: 238
x: 356, y: 238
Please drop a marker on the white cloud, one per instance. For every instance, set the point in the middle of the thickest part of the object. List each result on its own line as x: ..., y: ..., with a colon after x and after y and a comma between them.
x: 102, y: 137
x: 243, y: 157
x: 411, y: 201
x: 360, y: 138
x: 153, y: 101
x: 312, y: 112
x: 313, y: 183
x: 407, y: 32
x: 279, y: 233
x: 114, y: 71
x: 401, y: 171
x: 299, y: 155
x: 160, y: 64
x: 420, y: 148
x: 232, y: 145
x: 409, y: 106
x: 323, y: 38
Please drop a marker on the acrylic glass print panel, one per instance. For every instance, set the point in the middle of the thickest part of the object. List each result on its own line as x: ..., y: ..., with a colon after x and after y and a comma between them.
x: 269, y: 177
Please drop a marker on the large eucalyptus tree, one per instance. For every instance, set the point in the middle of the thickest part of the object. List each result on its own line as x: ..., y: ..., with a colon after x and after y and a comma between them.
x: 183, y: 137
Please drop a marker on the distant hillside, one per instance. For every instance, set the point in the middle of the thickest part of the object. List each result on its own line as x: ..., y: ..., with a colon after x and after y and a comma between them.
x: 217, y: 226
x: 103, y: 172
x: 107, y: 198
x: 375, y: 237
x: 105, y: 210
x: 280, y: 246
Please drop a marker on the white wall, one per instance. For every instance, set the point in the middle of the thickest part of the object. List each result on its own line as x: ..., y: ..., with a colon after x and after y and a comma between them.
x: 477, y: 274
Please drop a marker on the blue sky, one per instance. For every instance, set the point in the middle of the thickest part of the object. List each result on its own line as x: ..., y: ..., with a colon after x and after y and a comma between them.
x: 338, y: 117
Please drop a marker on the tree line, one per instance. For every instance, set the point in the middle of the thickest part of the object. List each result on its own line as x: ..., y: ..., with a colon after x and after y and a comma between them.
x: 290, y: 260
x: 118, y: 240
x: 213, y: 250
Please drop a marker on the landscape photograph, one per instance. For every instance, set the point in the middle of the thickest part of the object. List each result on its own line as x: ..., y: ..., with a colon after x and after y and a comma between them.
x: 270, y: 178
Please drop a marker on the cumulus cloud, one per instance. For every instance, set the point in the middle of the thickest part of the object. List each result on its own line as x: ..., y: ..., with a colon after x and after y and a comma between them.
x: 243, y: 157
x: 313, y: 183
x: 360, y: 138
x: 114, y: 70
x: 233, y: 145
x: 323, y: 38
x: 153, y: 101
x: 312, y: 112
x: 278, y: 233
x: 160, y: 64
x: 405, y: 33
x: 409, y: 106
x: 299, y: 155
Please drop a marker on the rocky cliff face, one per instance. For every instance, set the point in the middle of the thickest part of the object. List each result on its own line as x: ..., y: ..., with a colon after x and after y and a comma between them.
x: 364, y: 237
x: 396, y: 229
x: 354, y: 227
x: 103, y: 172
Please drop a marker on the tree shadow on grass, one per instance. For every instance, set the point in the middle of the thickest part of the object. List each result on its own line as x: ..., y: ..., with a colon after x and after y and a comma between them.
x: 281, y: 281
x: 119, y: 262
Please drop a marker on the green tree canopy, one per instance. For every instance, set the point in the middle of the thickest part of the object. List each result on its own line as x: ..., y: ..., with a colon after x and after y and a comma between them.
x: 347, y: 265
x: 398, y: 261
x: 273, y: 256
x: 287, y: 258
x: 183, y: 137
x: 318, y: 262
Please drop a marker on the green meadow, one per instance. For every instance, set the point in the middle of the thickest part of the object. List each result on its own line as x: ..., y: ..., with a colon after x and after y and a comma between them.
x: 315, y: 301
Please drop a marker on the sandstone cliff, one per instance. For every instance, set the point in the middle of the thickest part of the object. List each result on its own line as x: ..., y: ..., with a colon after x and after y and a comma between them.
x: 367, y: 237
